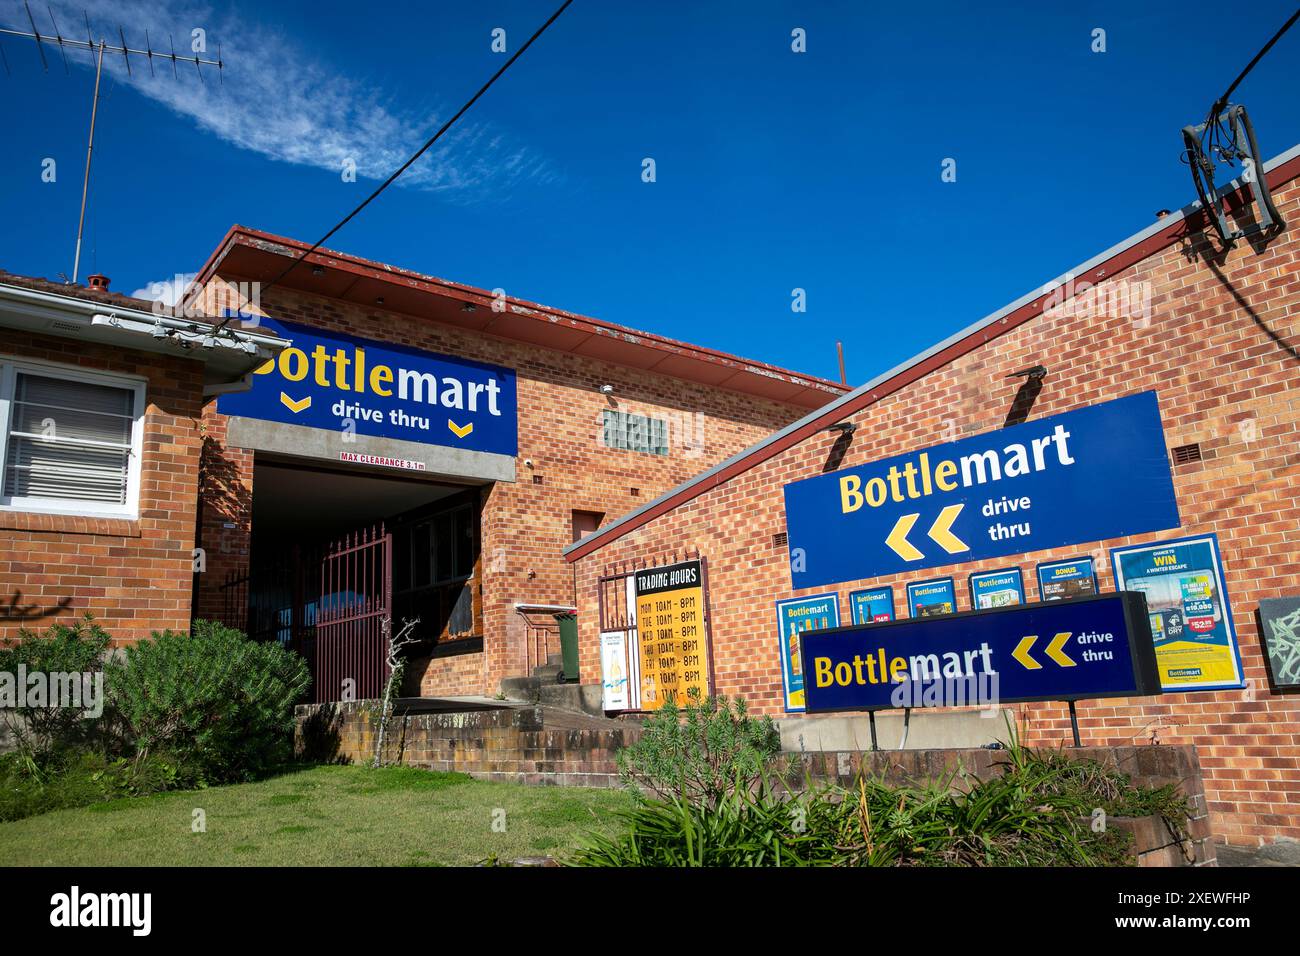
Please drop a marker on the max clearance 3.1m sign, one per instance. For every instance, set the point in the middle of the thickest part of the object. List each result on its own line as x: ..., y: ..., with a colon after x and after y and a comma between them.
x: 1095, y: 473
x: 1057, y: 650
x: 341, y: 383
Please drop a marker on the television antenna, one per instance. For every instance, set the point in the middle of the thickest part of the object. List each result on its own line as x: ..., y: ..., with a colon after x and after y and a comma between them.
x: 97, y: 49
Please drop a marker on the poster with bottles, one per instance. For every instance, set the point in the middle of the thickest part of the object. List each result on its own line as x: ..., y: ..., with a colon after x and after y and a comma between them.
x: 931, y: 598
x: 793, y: 617
x: 672, y: 634
x: 615, y: 671
x: 872, y: 605
x: 1191, y: 620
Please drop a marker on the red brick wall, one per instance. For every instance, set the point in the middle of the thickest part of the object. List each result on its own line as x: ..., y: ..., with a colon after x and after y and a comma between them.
x: 525, y: 524
x: 135, y: 576
x: 1214, y: 366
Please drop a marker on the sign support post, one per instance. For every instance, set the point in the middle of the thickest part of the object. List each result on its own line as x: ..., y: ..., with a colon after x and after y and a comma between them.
x: 1074, y: 723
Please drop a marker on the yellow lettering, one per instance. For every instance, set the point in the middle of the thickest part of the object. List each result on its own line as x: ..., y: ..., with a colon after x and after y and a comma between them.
x: 896, y: 665
x: 266, y: 369
x: 876, y: 491
x: 379, y: 375
x: 295, y: 355
x: 943, y: 472
x: 822, y: 669
x: 850, y: 493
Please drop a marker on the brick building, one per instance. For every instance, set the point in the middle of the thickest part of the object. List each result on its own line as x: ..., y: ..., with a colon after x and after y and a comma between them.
x: 546, y: 424
x: 101, y: 401
x: 1214, y: 338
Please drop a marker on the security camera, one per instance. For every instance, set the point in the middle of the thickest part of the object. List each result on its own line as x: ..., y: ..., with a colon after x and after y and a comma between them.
x: 607, y: 390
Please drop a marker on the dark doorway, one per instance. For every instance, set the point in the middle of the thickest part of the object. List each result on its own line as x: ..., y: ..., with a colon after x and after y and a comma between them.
x: 336, y: 555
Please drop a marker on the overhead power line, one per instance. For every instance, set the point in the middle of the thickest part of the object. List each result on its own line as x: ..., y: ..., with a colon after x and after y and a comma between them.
x: 418, y: 153
x: 1222, y: 101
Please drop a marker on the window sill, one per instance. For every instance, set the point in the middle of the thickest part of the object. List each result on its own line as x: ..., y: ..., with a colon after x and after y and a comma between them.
x: 69, y: 524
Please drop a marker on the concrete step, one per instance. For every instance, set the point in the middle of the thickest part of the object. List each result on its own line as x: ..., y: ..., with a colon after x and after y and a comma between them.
x: 575, y: 698
x: 521, y: 688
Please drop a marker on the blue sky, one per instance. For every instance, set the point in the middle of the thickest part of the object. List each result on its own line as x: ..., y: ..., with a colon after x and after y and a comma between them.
x: 775, y: 170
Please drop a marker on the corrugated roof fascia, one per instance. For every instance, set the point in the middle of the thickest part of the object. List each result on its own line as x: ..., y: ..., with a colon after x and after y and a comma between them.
x: 974, y: 328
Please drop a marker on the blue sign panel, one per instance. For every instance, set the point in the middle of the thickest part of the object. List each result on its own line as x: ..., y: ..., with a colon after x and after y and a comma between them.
x: 872, y: 605
x: 1066, y: 579
x: 1095, y: 473
x: 992, y: 589
x: 1060, y: 650
x: 337, y: 382
x: 795, y: 617
x: 931, y: 598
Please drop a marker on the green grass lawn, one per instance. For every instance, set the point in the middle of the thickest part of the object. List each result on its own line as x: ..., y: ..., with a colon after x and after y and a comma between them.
x: 346, y: 816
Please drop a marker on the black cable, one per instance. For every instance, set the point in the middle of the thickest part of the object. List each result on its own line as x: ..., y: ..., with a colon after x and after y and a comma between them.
x: 1222, y: 101
x: 418, y: 153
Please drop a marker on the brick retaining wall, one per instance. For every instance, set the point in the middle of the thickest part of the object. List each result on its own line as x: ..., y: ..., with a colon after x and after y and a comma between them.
x: 515, y: 745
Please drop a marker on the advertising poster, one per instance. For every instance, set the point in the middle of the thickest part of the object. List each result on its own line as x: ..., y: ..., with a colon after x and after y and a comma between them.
x: 670, y: 621
x: 1279, y: 620
x: 931, y: 598
x: 872, y: 605
x: 990, y: 589
x: 1191, y: 620
x: 794, y: 617
x: 1098, y: 472
x: 1066, y: 579
x: 614, y: 671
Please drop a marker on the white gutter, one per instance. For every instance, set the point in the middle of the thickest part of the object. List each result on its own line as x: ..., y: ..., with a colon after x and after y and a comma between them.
x: 232, y: 353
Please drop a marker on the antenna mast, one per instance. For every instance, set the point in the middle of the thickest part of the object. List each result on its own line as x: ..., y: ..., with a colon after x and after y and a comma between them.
x: 97, y: 49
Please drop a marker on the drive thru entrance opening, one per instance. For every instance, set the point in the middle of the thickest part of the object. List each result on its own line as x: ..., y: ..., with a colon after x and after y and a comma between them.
x: 336, y: 555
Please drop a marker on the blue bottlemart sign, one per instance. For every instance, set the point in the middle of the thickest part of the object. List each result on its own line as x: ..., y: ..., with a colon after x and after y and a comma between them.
x: 334, y: 381
x: 1060, y: 650
x: 1098, y: 472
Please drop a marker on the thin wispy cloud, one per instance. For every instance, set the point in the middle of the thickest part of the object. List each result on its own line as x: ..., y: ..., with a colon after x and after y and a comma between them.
x: 276, y: 100
x: 167, y: 291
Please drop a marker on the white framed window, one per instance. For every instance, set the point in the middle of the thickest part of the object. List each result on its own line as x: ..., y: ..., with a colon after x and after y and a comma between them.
x: 70, y: 440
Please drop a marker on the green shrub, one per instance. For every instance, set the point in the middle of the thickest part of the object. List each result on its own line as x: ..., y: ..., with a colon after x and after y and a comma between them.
x: 220, y: 704
x: 703, y: 752
x: 1036, y: 812
x: 78, y: 778
x: 40, y: 731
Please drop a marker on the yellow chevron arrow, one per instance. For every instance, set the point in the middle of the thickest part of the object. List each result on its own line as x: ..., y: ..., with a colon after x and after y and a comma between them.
x: 1055, y: 653
x: 1021, y: 653
x: 295, y: 406
x: 941, y: 530
x: 897, y: 539
x: 460, y: 431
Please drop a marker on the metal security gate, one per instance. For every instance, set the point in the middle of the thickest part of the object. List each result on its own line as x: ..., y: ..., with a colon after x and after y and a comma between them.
x: 346, y: 649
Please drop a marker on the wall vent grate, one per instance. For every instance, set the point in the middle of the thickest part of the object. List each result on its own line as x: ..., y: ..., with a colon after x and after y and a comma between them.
x: 1186, y: 454
x: 780, y: 540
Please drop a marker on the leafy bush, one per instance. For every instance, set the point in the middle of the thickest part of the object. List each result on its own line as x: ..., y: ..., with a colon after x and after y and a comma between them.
x: 1035, y: 813
x: 41, y: 730
x: 702, y: 753
x: 221, y: 704
x: 78, y: 778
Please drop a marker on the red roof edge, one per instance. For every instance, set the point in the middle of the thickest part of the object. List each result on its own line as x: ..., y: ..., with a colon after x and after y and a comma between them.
x: 243, y: 235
